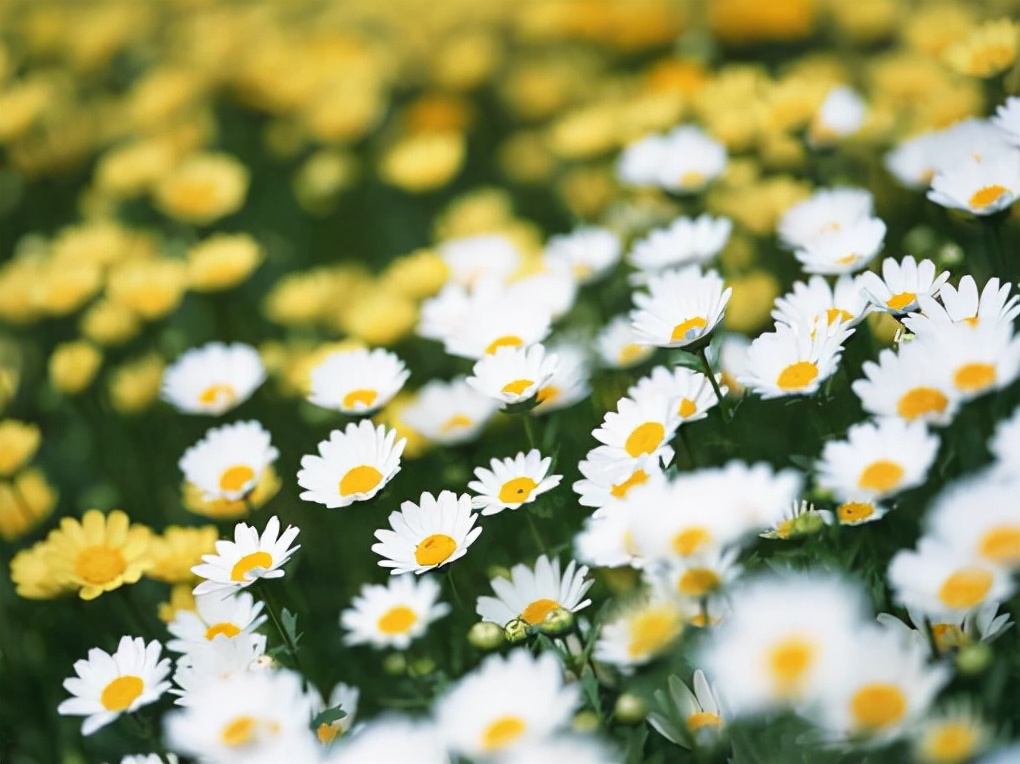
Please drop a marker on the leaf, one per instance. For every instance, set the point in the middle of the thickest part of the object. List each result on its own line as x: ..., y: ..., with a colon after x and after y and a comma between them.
x: 289, y: 621
x: 328, y: 716
x: 636, y: 745
x: 688, y: 360
x: 590, y: 688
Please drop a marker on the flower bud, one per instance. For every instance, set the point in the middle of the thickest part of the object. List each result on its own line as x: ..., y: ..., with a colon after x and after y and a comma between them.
x: 516, y: 631
x: 557, y: 621
x: 395, y: 664
x: 585, y: 721
x: 421, y: 667
x: 630, y: 709
x: 485, y: 636
x: 974, y: 658
x: 806, y: 524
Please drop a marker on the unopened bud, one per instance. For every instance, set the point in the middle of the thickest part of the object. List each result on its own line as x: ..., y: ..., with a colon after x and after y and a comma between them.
x: 421, y: 667
x: 806, y: 524
x: 516, y: 631
x: 585, y: 721
x: 630, y: 709
x: 557, y: 621
x: 395, y: 664
x: 485, y: 636
x: 974, y: 658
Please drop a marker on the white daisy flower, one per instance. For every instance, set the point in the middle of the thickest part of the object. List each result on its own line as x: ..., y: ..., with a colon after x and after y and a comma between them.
x: 212, y: 379
x: 569, y: 381
x: 207, y: 662
x: 531, y: 594
x: 912, y: 162
x: 896, y: 291
x: 588, y: 251
x: 394, y: 614
x: 681, y: 307
x: 979, y: 517
x: 640, y: 427
x: 214, y: 616
x: 963, y: 304
x: 353, y: 465
x: 512, y: 482
x: 877, y: 459
x: 346, y: 697
x: 434, y: 532
x: 691, y: 389
x: 949, y: 631
x: 229, y: 461
x: 107, y: 686
x: 690, y: 160
x: 1007, y: 119
x: 254, y: 716
x: 441, y: 315
x: 552, y: 290
x: 979, y: 187
x: 390, y: 738
x: 799, y: 518
x: 357, y: 381
x: 980, y: 359
x: 618, y: 346
x: 815, y: 302
x: 859, y: 511
x: 700, y: 711
x: 449, y: 413
x: 702, y: 575
x: 497, y: 318
x: 828, y: 210
x: 504, y: 703
x: 246, y: 559
x: 841, y: 114
x: 639, y: 632
x: 639, y: 162
x: 912, y: 384
x: 793, y: 360
x: 955, y: 733
x: 474, y: 257
x: 607, y: 539
x: 609, y: 477
x: 513, y: 374
x: 844, y: 250
x: 686, y: 241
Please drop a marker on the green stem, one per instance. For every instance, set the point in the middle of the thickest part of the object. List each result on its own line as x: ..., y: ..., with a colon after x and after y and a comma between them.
x: 534, y: 532
x: 453, y: 588
x: 271, y: 610
x: 685, y: 439
x: 529, y: 431
x: 723, y: 408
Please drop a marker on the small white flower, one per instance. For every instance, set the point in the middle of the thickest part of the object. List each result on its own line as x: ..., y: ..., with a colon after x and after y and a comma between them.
x: 979, y: 187
x: 450, y: 412
x: 681, y: 307
x: 512, y: 482
x: 859, y: 511
x: 497, y: 317
x: 827, y: 211
x: 815, y: 302
x: 246, y: 559
x: 229, y: 461
x: 357, y: 381
x: 700, y: 576
x: 394, y: 614
x: 981, y: 518
x: 513, y: 374
x: 107, y: 686
x: 609, y: 477
x: 912, y: 384
x: 841, y: 114
x: 843, y: 250
x: 1007, y: 119
x: 207, y: 662
x: 691, y: 390
x: 441, y: 315
x: 980, y: 359
x: 639, y: 632
x: 700, y: 710
x: 607, y: 539
x: 214, y: 616
x: 897, y: 290
x: 794, y: 360
x: 434, y: 532
x: 474, y: 257
x: 353, y: 465
x: 618, y: 345
x: 683, y: 161
x: 531, y: 594
x: 213, y: 379
x: 685, y: 241
x: 569, y: 381
x: 590, y: 252
x: 964, y: 304
x: 346, y: 697
x: 641, y: 427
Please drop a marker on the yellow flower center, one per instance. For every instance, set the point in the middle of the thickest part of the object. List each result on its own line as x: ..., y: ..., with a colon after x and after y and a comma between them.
x: 360, y: 479
x: 832, y: 315
x: 250, y: 562
x: 948, y: 636
x: 921, y: 401
x: 965, y: 588
x: 950, y: 743
x: 548, y: 393
x: 1001, y: 544
x: 797, y: 376
x: 651, y: 631
x: 100, y: 564
x: 644, y: 438
x: 362, y: 398
x: 688, y: 330
x: 224, y: 628
x: 502, y: 732
x: 218, y: 393
x: 692, y: 179
x: 506, y: 341
x: 697, y: 582
x: 700, y: 719
x: 397, y: 620
x: 536, y: 612
x: 456, y: 422
x: 878, y: 705
x: 880, y: 476
x: 974, y: 377
x: 244, y: 730
x: 327, y: 733
x: 687, y: 408
x: 621, y: 489
x: 518, y: 386
x: 234, y: 478
x: 691, y: 540
x: 901, y: 301
x: 853, y: 512
x: 121, y: 692
x: 848, y: 259
x: 631, y: 353
x: 987, y: 195
x: 517, y: 490
x: 789, y: 661
x: 435, y: 549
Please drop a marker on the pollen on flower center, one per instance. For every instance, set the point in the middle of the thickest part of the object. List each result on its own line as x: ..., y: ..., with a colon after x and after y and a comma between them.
x: 921, y: 401
x: 690, y: 540
x: 881, y: 476
x: 99, y: 564
x: 502, y: 732
x: 506, y: 341
x: 1001, y: 544
x: 620, y: 489
x: 789, y: 661
x: 517, y: 490
x: 697, y: 582
x: 218, y: 393
x: 536, y: 612
x: 651, y: 631
x: 121, y: 692
x: 687, y: 408
x: 987, y: 195
x: 362, y: 398
x: 644, y: 438
x: 700, y: 719
x: 248, y: 563
x: 225, y: 628
x: 688, y: 330
x: 397, y: 620
x: 852, y: 512
x: 878, y: 705
x: 456, y: 422
x: 965, y: 588
x: 435, y: 549
x: 797, y: 376
x: 832, y: 315
x: 901, y: 301
x: 360, y: 479
x: 234, y: 478
x: 973, y: 377
x: 518, y: 386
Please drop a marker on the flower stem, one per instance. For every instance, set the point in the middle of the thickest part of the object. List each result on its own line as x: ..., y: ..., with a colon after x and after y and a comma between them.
x: 534, y: 532
x: 723, y: 407
x: 289, y: 646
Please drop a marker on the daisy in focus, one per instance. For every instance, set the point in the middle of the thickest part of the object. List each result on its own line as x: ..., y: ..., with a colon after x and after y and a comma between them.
x: 979, y: 187
x: 449, y: 413
x: 513, y: 375
x: 815, y: 302
x: 393, y: 614
x: 532, y: 593
x: 681, y: 307
x: 512, y: 482
x: 213, y: 379
x: 901, y: 283
x: 434, y: 532
x: 912, y: 384
x: 963, y: 304
x: 229, y: 461
x: 691, y: 389
x: 246, y: 559
x: 357, y: 382
x: 352, y: 465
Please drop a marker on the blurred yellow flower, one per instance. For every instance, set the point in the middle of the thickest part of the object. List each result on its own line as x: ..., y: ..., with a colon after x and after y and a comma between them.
x: 321, y: 178
x: 417, y: 275
x: 132, y: 169
x: 424, y: 161
x: 932, y: 27
x: 134, y: 385
x: 417, y: 444
x: 22, y: 104
x: 223, y: 261
x: 380, y: 317
x: 32, y: 577
x: 759, y: 205
x: 747, y: 21
x: 463, y: 61
x: 866, y: 21
x: 73, y: 365
x: 203, y: 188
x: 62, y: 288
x: 989, y: 49
x: 161, y: 93
x: 25, y: 502
x: 18, y: 303
x: 109, y: 323
x: 181, y: 598
x: 150, y: 288
x: 751, y: 303
x: 97, y: 242
x: 18, y: 444
x: 177, y: 550
x: 224, y: 509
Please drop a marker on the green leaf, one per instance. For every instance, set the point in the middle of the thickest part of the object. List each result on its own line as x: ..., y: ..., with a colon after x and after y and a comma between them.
x: 636, y: 745
x: 328, y: 716
x: 590, y: 688
x: 289, y: 621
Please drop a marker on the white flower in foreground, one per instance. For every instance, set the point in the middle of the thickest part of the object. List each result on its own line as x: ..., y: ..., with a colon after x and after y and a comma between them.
x: 793, y: 361
x: 209, y: 662
x: 618, y: 346
x: 575, y: 749
x: 608, y: 477
x: 590, y: 252
x: 963, y: 304
x: 606, y: 541
x: 531, y: 594
x: 815, y: 302
x: 639, y: 633
x: 346, y: 696
x: 213, y: 379
x: 843, y: 250
x: 229, y: 461
x: 954, y: 734
x: 980, y: 517
x: 685, y: 241
x: 107, y: 686
x: 513, y: 374
x: 357, y: 381
x: 897, y: 290
x: 450, y: 412
x: 912, y: 384
x: 214, y: 616
x: 841, y: 114
x: 689, y: 161
x: 691, y: 389
x: 504, y: 703
x: 981, y: 188
x: 512, y: 482
x: 353, y: 465
x: 980, y: 359
x: 394, y: 614
x: 681, y: 307
x: 569, y: 381
x: 434, y: 532
x: 246, y: 559
x: 390, y: 739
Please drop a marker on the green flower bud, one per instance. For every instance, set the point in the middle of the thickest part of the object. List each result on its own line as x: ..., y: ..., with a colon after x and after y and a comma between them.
x: 395, y: 664
x: 630, y: 709
x: 485, y: 636
x: 806, y: 524
x: 557, y: 621
x: 585, y: 721
x: 421, y: 667
x: 516, y: 631
x: 974, y: 658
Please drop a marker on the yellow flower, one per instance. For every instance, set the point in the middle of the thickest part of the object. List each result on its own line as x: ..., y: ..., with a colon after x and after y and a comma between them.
x: 135, y: 384
x: 18, y: 444
x: 417, y: 275
x: 132, y: 169
x: 32, y: 577
x: 745, y: 21
x: 346, y: 110
x: 222, y: 261
x: 100, y: 242
x: 989, y: 49
x: 751, y: 302
x: 24, y: 503
x: 423, y: 162
x: 98, y: 554
x: 466, y: 59
x: 109, y: 323
x: 417, y: 444
x: 758, y: 206
x: 62, y: 288
x: 203, y: 188
x: 933, y: 27
x: 224, y: 509
x: 300, y: 299
x: 177, y: 550
x: 151, y: 288
x: 319, y: 181
x: 18, y: 304
x: 181, y: 598
x: 866, y: 21
x: 22, y: 105
x: 380, y: 318
x: 73, y: 365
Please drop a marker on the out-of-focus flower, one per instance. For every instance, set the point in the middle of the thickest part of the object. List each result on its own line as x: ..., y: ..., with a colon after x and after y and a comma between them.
x: 18, y: 444
x: 177, y: 550
x: 150, y: 288
x: 223, y: 261
x: 213, y: 379
x: 989, y: 49
x: 203, y: 188
x: 73, y: 366
x: 26, y: 499
x: 424, y: 162
x: 357, y: 382
x: 135, y: 384
x: 229, y: 461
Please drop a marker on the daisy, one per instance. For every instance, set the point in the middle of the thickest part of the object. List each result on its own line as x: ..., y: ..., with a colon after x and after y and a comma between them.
x: 531, y: 594
x: 590, y: 252
x: 434, y: 532
x: 793, y: 360
x: 912, y: 162
x: 607, y: 539
x: 979, y: 517
x: 842, y: 250
x: 963, y: 304
x: 912, y: 384
x: 496, y: 319
x: 1007, y: 119
x: 691, y: 389
x: 512, y: 482
x: 877, y: 459
x: 214, y: 616
x: 897, y: 290
x: 799, y: 519
x: 640, y: 427
x: 979, y: 187
x: 212, y: 379
x: 826, y: 211
x: 473, y: 257
x: 357, y: 381
x: 569, y: 381
x: 815, y: 302
x: 618, y: 346
x: 549, y: 288
x: 639, y: 633
x: 450, y: 412
x: 699, y: 711
x: 246, y: 559
x: 207, y: 662
x: 702, y: 575
x: 345, y: 697
x: 390, y: 739
x: 608, y: 477
x: 513, y: 375
x: 953, y: 735
x: 394, y: 614
x: 353, y: 465
x: 681, y: 307
x: 229, y: 461
x: 107, y: 686
x: 980, y: 359
x: 505, y: 702
x: 685, y: 241
x: 440, y: 315
x: 841, y: 114
x: 689, y: 161
x: 859, y: 511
